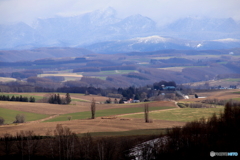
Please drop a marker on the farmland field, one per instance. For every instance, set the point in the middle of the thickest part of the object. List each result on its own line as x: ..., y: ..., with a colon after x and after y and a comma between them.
x: 92, y: 125
x: 9, y: 115
x: 87, y: 125
x: 181, y: 115
x: 106, y: 112
x: 67, y: 76
x: 129, y: 119
x: 6, y: 79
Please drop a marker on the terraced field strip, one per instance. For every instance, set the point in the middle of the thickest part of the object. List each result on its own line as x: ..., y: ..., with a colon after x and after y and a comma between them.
x: 182, y: 115
x: 105, y: 112
x: 9, y: 115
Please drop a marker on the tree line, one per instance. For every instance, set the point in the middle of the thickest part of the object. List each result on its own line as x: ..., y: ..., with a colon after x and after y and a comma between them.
x: 57, y: 99
x: 16, y: 98
x: 132, y: 92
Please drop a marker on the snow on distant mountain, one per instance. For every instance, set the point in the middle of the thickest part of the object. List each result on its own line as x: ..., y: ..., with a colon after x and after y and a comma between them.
x: 103, y: 27
x: 154, y: 43
x: 151, y: 43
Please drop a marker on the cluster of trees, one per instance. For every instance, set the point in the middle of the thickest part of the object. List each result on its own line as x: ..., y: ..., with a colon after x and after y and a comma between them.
x: 57, y: 99
x: 109, y: 101
x: 160, y: 85
x: 16, y: 98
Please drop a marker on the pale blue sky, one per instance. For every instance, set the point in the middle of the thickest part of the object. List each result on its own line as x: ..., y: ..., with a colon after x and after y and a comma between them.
x: 162, y: 11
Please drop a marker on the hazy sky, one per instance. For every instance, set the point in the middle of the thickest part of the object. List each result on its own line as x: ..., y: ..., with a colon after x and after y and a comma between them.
x: 161, y: 11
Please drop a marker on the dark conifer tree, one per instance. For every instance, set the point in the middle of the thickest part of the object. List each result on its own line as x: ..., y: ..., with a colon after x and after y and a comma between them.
x: 68, y: 98
x: 13, y: 98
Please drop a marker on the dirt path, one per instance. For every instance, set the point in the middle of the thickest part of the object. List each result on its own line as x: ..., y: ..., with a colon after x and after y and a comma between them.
x: 44, y: 119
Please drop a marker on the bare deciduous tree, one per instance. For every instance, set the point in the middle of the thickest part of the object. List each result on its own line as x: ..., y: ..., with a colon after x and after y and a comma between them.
x: 146, y: 112
x: 20, y: 118
x: 93, y: 108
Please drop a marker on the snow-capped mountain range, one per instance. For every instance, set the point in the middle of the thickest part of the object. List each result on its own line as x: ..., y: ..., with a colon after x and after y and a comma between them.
x: 102, y: 31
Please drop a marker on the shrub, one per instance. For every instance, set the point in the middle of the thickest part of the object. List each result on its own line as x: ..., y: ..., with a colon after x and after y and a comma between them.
x: 20, y: 118
x: 1, y: 121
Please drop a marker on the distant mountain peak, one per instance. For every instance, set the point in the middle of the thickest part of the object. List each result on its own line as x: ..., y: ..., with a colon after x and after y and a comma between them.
x: 107, y: 12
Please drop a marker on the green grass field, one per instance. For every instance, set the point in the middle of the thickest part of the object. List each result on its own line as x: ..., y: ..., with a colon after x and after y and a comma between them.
x: 238, y: 99
x: 79, y: 100
x: 9, y: 115
x: 129, y: 133
x: 103, y: 113
x: 182, y: 115
x: 236, y: 92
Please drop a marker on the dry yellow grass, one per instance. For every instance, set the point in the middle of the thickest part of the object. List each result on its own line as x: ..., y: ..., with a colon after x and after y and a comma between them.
x: 91, y: 125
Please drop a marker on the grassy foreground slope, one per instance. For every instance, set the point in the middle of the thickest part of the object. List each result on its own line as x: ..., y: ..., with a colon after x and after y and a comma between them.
x: 105, y: 112
x: 9, y: 115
